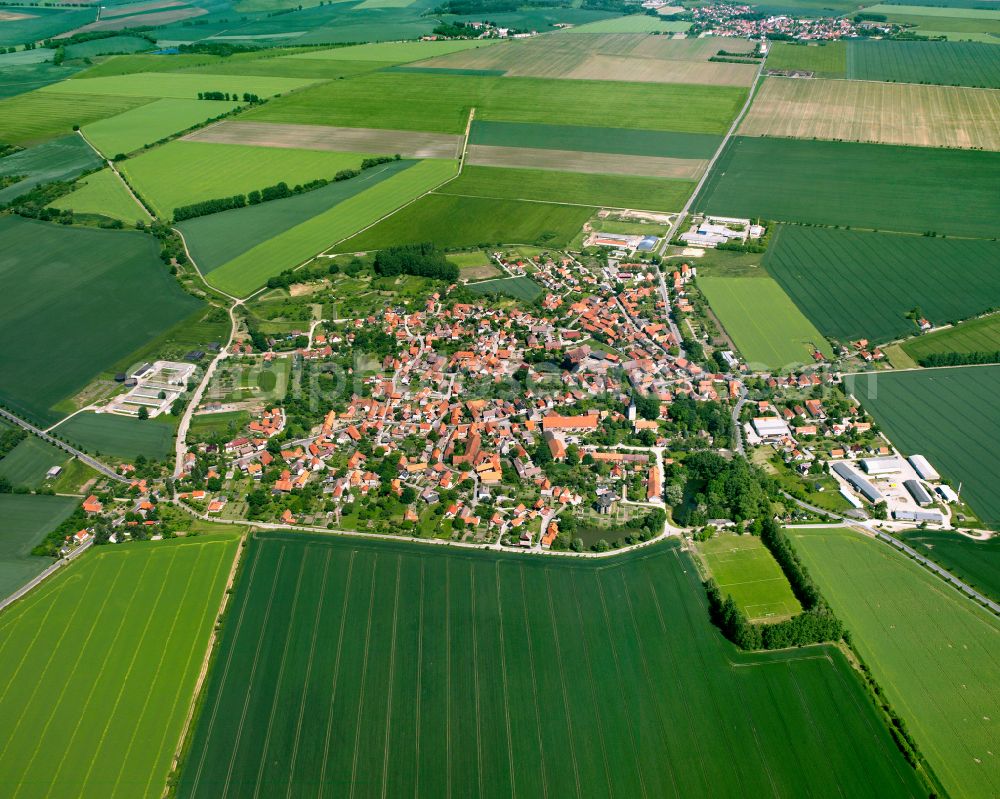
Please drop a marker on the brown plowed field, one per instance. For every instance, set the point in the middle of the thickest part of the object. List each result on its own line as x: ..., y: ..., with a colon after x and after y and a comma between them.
x: 408, y: 143
x: 594, y: 163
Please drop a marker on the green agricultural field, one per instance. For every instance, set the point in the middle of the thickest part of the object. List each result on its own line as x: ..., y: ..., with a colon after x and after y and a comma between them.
x: 217, y: 239
x: 394, y: 52
x: 470, y: 260
x: 27, y: 70
x: 103, y: 193
x: 121, y: 437
x: 976, y: 335
x: 745, y: 570
x: 25, y: 519
x: 763, y: 322
x: 148, y: 124
x: 578, y: 138
x: 956, y: 23
x: 974, y: 562
x: 27, y: 464
x: 418, y: 101
x: 292, y: 67
x: 451, y: 221
x: 39, y: 22
x: 55, y: 322
x: 520, y: 288
x: 635, y: 23
x: 99, y: 666
x: 113, y: 46
x: 388, y: 669
x: 950, y: 415
x: 60, y: 159
x: 826, y: 60
x: 932, y: 650
x: 186, y: 172
x: 251, y: 269
x: 616, y: 191
x: 911, y: 189
x: 853, y: 284
x: 36, y: 116
x: 178, y: 85
x: 228, y: 423
x: 950, y: 63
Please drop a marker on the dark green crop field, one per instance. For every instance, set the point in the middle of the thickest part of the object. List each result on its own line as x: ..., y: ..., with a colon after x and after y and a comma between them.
x: 975, y: 562
x: 949, y: 63
x: 913, y: 189
x: 452, y: 221
x: 622, y: 141
x: 582, y: 188
x: 121, y: 437
x: 25, y: 519
x: 932, y: 650
x: 950, y: 415
x: 218, y: 238
x: 520, y: 288
x: 853, y: 284
x: 75, y: 301
x: 402, y: 101
x: 976, y: 335
x: 60, y: 159
x: 379, y: 669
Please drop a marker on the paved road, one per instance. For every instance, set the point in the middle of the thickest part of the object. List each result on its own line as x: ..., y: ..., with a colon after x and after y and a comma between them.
x: 946, y: 575
x: 737, y: 431
x: 93, y: 463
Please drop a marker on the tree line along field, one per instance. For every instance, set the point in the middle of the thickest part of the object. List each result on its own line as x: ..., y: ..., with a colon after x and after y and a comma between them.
x: 25, y: 519
x: 746, y: 570
x: 931, y: 649
x: 418, y: 101
x: 617, y: 191
x: 911, y: 189
x: 951, y: 415
x: 954, y: 22
x: 150, y: 123
x: 763, y: 322
x: 976, y: 335
x: 924, y: 116
x: 60, y: 282
x: 459, y: 221
x: 381, y: 669
x: 103, y: 193
x: 99, y: 665
x: 586, y: 139
x: 854, y: 284
x: 251, y: 269
x: 211, y: 171
x: 216, y: 239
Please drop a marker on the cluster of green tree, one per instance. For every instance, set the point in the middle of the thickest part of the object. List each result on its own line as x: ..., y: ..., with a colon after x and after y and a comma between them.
x: 724, y: 59
x: 718, y: 488
x: 222, y: 49
x: 278, y: 191
x: 455, y: 30
x: 423, y: 260
x: 8, y: 149
x: 646, y: 405
x: 93, y: 36
x: 247, y: 97
x: 290, y: 276
x: 959, y: 358
x: 10, y: 180
x: 692, y: 417
x: 9, y: 439
x: 171, y: 244
x: 634, y: 531
x: 52, y: 543
x: 867, y: 16
x: 693, y: 349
